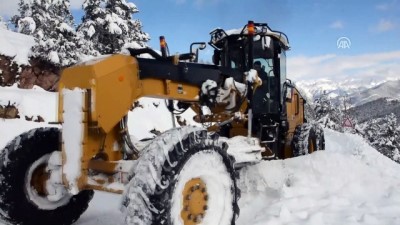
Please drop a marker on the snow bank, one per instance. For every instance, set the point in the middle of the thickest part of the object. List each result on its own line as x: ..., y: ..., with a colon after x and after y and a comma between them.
x: 349, y: 183
x: 16, y: 45
x: 31, y: 102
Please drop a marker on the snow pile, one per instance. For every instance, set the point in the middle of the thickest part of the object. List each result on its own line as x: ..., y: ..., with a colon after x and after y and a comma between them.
x: 349, y: 183
x: 244, y: 150
x: 16, y: 45
x: 29, y: 103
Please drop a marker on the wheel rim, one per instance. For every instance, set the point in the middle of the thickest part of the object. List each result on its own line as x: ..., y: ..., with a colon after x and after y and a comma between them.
x: 311, y: 147
x: 217, y: 196
x: 36, y: 185
x: 39, y: 179
x: 195, y: 199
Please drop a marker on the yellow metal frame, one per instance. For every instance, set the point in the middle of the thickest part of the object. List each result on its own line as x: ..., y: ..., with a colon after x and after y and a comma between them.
x: 112, y: 84
x: 295, y: 116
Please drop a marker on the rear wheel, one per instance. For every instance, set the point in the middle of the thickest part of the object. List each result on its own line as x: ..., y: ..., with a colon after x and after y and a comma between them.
x: 320, y: 136
x: 183, y: 177
x: 304, y: 140
x: 25, y: 182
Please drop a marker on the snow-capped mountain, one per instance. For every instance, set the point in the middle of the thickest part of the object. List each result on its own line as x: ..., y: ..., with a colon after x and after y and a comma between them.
x: 388, y: 89
x: 358, y: 91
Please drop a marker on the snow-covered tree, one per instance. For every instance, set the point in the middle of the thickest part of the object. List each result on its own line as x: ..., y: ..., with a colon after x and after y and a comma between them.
x: 3, y: 25
x: 384, y: 135
x: 122, y: 29
x: 28, y: 16
x: 111, y: 28
x: 52, y: 25
x: 327, y: 113
x: 91, y: 27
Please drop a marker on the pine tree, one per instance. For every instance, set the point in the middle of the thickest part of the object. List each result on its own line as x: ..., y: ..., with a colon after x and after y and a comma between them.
x: 124, y: 10
x: 112, y: 28
x: 109, y: 29
x: 51, y: 23
x: 91, y: 27
x: 29, y: 16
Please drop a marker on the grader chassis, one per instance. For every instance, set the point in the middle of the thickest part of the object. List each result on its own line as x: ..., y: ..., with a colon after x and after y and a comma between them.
x: 185, y: 175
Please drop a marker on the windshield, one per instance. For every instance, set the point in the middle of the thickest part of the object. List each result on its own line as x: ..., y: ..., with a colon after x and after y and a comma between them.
x: 265, y: 58
x: 266, y: 97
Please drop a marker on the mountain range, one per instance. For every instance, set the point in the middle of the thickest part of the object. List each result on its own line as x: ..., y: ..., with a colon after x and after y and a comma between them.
x: 356, y: 91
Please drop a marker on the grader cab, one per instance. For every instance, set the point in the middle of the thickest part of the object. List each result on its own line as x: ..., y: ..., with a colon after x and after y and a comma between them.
x: 186, y: 175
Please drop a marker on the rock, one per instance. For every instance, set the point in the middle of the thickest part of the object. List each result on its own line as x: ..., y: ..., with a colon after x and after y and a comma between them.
x: 46, y: 73
x: 8, y: 71
x: 39, y: 119
x: 9, y: 112
x: 47, y: 80
x: 27, y: 78
x: 27, y: 118
x: 39, y: 72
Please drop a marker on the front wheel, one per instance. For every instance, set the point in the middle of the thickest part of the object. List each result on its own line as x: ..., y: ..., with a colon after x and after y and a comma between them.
x: 25, y: 183
x: 183, y: 177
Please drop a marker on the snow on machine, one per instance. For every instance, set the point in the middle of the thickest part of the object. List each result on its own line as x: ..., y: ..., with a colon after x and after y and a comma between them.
x: 186, y: 175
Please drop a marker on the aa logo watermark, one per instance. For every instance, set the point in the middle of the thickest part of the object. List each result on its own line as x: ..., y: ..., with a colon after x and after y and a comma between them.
x: 343, y: 43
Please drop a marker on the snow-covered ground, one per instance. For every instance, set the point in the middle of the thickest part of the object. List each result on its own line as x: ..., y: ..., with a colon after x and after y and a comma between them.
x: 349, y: 183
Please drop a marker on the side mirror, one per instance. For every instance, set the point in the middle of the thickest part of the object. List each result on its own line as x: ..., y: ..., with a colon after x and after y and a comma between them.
x: 216, y: 58
x: 201, y: 46
x: 289, y: 93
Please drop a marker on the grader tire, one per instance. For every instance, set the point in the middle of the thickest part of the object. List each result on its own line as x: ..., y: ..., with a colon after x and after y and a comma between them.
x: 184, y: 177
x: 320, y: 137
x: 304, y: 140
x: 26, y: 154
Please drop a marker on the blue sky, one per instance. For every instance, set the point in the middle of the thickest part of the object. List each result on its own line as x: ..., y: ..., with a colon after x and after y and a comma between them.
x: 313, y: 28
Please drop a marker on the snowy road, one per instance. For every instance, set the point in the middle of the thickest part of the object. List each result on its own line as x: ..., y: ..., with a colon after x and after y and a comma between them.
x: 103, y: 210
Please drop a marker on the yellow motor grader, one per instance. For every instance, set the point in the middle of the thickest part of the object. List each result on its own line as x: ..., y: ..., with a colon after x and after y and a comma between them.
x: 184, y: 176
